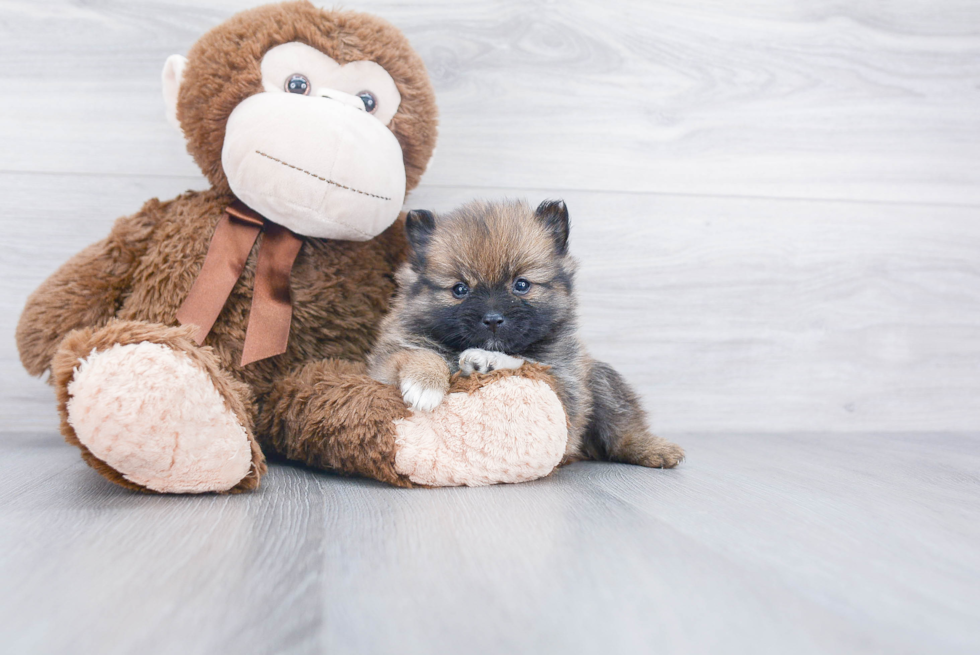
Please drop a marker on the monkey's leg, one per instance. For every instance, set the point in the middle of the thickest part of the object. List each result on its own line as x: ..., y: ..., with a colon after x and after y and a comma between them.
x: 617, y: 430
x: 151, y: 410
x: 508, y: 426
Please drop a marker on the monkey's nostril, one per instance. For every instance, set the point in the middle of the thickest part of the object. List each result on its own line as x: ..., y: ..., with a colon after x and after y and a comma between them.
x: 493, y: 320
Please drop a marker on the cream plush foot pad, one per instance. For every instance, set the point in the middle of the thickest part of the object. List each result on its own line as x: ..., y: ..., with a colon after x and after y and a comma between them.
x: 512, y: 430
x: 151, y: 414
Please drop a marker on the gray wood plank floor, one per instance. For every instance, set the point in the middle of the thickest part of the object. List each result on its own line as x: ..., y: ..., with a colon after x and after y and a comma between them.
x: 777, y: 213
x: 813, y: 543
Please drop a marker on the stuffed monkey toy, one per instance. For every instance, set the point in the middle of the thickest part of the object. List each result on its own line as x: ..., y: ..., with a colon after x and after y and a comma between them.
x: 209, y: 330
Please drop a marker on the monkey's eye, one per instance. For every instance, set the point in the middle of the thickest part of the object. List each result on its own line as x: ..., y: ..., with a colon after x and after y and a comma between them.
x: 298, y: 84
x: 460, y: 290
x: 370, y: 102
x: 521, y: 286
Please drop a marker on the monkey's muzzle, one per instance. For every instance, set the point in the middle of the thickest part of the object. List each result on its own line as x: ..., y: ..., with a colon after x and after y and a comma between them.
x: 318, y: 166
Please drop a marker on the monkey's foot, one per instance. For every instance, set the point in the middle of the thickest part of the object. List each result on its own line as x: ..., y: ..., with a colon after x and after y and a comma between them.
x: 505, y: 427
x: 155, y: 416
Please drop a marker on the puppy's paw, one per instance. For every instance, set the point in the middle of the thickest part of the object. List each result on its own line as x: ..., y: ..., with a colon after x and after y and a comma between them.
x: 660, y: 454
x: 483, y: 361
x: 423, y: 378
x: 420, y: 396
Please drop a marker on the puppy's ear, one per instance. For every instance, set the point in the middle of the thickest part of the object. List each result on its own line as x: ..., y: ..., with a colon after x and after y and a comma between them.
x: 554, y: 215
x: 419, y: 226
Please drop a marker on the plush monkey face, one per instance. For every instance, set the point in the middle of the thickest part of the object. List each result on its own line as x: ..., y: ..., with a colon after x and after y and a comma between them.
x: 318, y: 120
x: 313, y: 150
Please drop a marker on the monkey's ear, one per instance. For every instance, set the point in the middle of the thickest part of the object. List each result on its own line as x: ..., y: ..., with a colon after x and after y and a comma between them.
x: 419, y: 226
x: 554, y: 215
x: 173, y: 72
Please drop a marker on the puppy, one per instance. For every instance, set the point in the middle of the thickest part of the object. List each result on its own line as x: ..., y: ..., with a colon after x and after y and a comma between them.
x: 489, y: 286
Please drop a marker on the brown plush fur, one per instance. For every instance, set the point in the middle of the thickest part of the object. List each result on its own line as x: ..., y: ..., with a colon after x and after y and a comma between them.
x: 86, y: 291
x: 306, y: 404
x: 143, y: 270
x: 330, y: 414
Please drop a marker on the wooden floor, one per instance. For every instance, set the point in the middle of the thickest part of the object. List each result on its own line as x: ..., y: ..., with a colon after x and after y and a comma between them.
x: 781, y: 543
x: 777, y: 211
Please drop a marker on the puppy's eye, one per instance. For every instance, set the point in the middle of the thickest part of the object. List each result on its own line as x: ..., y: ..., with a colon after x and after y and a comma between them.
x: 460, y: 290
x: 298, y: 84
x: 370, y: 102
x: 521, y: 286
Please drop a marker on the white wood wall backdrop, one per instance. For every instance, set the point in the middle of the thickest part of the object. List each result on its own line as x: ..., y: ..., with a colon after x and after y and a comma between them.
x: 831, y: 99
x: 776, y: 204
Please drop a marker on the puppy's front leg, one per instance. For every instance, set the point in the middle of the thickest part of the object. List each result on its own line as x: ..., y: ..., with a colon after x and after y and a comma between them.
x: 421, y: 375
x: 483, y: 361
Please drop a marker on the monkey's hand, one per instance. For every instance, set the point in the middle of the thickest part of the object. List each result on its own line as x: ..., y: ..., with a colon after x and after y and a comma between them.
x: 483, y: 361
x: 423, y: 377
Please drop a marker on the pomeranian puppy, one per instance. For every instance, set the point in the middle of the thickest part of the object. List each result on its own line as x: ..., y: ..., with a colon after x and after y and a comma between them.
x: 489, y: 286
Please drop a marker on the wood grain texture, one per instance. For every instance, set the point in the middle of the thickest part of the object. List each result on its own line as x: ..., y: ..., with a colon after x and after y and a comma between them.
x: 775, y: 208
x: 796, y: 543
x: 727, y: 314
x: 847, y: 100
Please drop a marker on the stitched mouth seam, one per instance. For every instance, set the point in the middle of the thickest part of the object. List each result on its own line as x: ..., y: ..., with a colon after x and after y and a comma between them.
x: 323, y: 179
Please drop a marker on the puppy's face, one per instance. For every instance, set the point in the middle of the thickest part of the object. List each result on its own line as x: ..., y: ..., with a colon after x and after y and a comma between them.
x: 495, y: 276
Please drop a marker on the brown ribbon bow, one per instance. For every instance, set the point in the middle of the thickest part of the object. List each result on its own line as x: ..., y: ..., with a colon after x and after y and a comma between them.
x: 268, y: 321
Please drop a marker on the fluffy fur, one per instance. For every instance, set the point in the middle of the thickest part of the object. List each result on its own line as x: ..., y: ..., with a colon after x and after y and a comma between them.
x: 313, y: 404
x: 127, y: 288
x: 489, y: 282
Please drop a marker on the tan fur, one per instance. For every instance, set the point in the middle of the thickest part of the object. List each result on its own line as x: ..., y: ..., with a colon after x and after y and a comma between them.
x: 127, y: 287
x: 502, y: 242
x: 422, y: 366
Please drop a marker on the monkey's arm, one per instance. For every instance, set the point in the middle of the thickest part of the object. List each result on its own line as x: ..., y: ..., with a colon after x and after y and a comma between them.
x: 85, y: 292
x: 507, y: 426
x: 331, y: 415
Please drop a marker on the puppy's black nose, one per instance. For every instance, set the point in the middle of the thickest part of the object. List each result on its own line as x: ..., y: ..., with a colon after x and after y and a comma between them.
x: 493, y: 320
